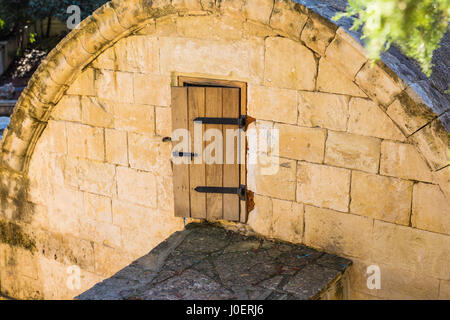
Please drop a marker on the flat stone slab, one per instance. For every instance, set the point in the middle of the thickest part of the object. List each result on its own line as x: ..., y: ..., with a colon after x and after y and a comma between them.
x: 207, y: 262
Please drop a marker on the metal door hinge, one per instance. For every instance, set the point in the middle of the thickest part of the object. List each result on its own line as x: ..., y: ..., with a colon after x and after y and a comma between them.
x: 241, y: 191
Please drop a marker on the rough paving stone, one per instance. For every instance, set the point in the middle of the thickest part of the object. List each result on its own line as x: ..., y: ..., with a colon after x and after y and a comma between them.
x: 209, y: 262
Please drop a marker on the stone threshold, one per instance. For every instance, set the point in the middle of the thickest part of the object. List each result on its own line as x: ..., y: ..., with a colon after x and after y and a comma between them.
x: 205, y: 262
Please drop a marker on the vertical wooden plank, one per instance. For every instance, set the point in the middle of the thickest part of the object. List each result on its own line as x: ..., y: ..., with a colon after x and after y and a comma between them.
x: 180, y: 171
x: 214, y: 158
x: 230, y: 170
x: 197, y: 171
x: 243, y: 154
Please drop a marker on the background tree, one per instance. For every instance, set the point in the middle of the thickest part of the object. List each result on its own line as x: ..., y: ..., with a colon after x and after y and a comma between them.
x: 415, y: 26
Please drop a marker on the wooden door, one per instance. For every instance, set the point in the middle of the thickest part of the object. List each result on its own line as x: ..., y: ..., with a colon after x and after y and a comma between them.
x: 208, y: 179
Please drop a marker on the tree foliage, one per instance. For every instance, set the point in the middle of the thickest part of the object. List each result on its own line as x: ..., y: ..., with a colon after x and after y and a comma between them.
x: 415, y: 26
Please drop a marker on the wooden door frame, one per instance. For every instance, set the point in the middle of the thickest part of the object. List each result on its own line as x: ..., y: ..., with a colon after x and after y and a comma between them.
x: 184, y: 81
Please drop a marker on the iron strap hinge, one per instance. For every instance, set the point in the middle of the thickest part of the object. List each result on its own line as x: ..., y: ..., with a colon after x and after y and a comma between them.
x: 184, y: 154
x: 241, y: 121
x: 228, y: 190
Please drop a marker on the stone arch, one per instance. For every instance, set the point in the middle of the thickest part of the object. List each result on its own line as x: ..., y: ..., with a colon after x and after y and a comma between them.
x: 117, y: 19
x: 288, y: 22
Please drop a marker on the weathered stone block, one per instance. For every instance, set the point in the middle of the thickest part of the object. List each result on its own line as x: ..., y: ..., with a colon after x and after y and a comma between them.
x: 318, y: 33
x: 378, y: 84
x: 136, y: 186
x: 84, y: 84
x: 352, y: 151
x: 115, y: 86
x: 412, y: 249
x: 100, y: 232
x: 163, y: 121
x: 409, y: 112
x: 286, y: 17
x: 430, y: 209
x: 287, y: 220
x: 433, y: 143
x: 85, y: 141
x: 444, y: 290
x: 288, y: 64
x: 152, y: 89
x: 116, y: 144
x: 382, y: 198
x: 346, y: 53
x: 134, y: 118
x: 132, y: 216
x: 242, y: 59
x: 97, y: 207
x: 210, y: 27
x: 323, y: 110
x: 258, y: 10
x: 68, y: 108
x: 137, y: 54
x: 149, y: 154
x: 260, y: 218
x: 300, y: 143
x: 96, y: 113
x: 106, y: 60
x: 275, y: 177
x: 336, y: 232
x: 331, y: 79
x: 367, y: 119
x: 267, y: 103
x: 323, y: 186
x: 96, y: 177
x: 110, y: 260
x: 403, y: 161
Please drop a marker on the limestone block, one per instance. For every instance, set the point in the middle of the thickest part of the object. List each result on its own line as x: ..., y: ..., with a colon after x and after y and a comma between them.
x: 166, y: 26
x: 116, y: 147
x: 275, y: 177
x: 287, y: 220
x: 96, y: 177
x: 163, y: 121
x: 149, y: 154
x: 382, y: 198
x: 137, y: 54
x: 152, y: 89
x: 300, y: 143
x: 433, y: 143
x: 322, y: 110
x: 165, y: 194
x: 132, y: 216
x: 68, y: 108
x: 241, y: 59
x: 258, y: 30
x: 97, y: 207
x: 367, y: 119
x: 323, y: 186
x: 106, y: 60
x: 378, y: 84
x: 346, y: 53
x: 100, y: 232
x: 272, y: 104
x: 258, y: 10
x: 331, y: 79
x: 64, y: 207
x: 352, y: 151
x: 96, y: 113
x: 233, y: 7
x: 318, y: 33
x: 84, y: 84
x: 260, y: 218
x: 110, y: 260
x: 136, y: 186
x: 289, y: 65
x: 287, y: 17
x: 115, y: 86
x: 430, y: 209
x: 409, y: 112
x: 403, y: 161
x: 134, y: 118
x: 336, y: 232
x: 411, y: 249
x: 210, y: 27
x: 85, y: 141
x: 55, y: 137
x: 444, y: 290
x: 442, y: 178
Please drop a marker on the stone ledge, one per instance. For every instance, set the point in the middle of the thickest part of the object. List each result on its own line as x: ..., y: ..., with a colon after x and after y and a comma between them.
x: 205, y: 261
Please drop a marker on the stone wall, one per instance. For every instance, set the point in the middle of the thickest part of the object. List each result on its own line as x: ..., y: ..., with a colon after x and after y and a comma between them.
x: 87, y: 181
